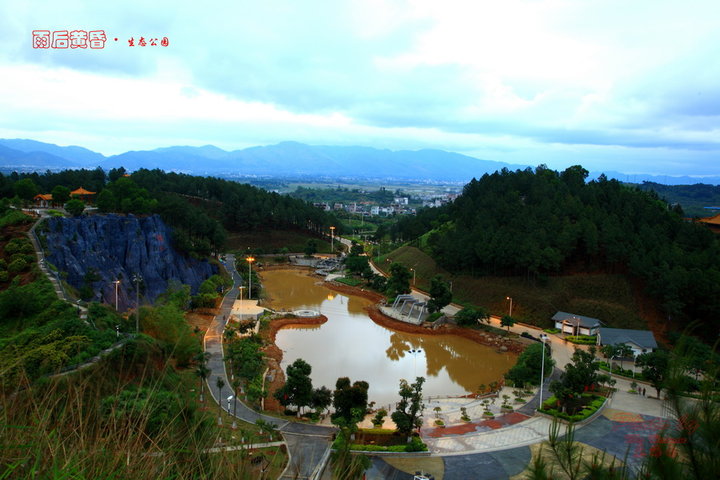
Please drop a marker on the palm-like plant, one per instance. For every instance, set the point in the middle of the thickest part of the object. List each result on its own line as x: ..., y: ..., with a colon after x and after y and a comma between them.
x: 236, y: 386
x: 220, y: 383
x: 202, y: 371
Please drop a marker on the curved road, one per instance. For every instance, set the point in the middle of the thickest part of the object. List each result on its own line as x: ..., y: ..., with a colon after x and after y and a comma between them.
x: 308, y: 445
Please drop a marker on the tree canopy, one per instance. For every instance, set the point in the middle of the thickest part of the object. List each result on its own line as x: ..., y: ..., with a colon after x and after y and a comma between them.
x: 541, y: 222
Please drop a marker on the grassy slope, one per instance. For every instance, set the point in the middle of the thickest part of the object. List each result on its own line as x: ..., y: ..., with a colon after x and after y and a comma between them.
x: 607, y: 297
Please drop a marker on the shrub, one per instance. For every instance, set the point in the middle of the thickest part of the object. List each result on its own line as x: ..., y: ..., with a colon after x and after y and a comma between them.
x: 17, y: 265
x: 582, y: 339
x: 14, y: 217
x: 19, y: 245
x: 551, y: 330
x: 586, y: 411
x: 433, y: 316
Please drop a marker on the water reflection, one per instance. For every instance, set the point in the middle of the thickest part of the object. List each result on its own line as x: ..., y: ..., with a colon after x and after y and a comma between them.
x: 351, y: 344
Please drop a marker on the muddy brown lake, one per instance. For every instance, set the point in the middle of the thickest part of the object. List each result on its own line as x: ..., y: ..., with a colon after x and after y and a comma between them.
x: 351, y: 345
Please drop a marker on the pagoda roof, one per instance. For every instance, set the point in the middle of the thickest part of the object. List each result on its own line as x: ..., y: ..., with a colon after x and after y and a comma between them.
x: 715, y: 220
x: 82, y: 191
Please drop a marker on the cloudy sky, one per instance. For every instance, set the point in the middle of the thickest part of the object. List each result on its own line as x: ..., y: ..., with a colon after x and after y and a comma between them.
x: 632, y: 86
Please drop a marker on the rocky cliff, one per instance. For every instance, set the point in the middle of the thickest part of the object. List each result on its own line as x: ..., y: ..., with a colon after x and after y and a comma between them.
x: 96, y: 250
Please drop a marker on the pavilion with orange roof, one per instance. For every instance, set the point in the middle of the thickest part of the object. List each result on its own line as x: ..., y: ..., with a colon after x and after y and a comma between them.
x: 82, y: 194
x: 712, y: 222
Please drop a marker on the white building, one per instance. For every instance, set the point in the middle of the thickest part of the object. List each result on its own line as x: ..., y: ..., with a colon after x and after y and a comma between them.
x: 640, y: 341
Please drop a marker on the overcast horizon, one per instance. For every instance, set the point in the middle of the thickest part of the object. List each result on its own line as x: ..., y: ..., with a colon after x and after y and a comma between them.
x: 606, y: 84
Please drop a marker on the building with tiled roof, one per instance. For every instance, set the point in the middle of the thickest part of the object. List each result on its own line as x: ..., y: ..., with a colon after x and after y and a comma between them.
x: 640, y: 341
x: 574, y: 324
x: 712, y: 222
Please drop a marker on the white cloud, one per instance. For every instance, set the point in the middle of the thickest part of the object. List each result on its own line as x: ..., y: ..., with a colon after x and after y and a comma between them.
x: 511, y: 80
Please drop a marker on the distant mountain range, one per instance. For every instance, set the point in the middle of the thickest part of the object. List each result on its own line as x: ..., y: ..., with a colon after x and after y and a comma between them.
x: 286, y: 159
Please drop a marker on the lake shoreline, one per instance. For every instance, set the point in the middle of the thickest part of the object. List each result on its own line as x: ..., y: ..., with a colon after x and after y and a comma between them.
x: 501, y: 344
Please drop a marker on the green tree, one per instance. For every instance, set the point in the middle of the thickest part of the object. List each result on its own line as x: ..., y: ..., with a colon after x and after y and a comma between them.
x: 379, y: 418
x: 470, y: 316
x: 399, y: 281
x: 298, y: 389
x: 654, y: 367
x: 579, y: 376
x: 75, y: 207
x: 220, y: 383
x: 347, y: 397
x: 507, y: 321
x: 60, y: 194
x: 357, y: 265
x: 408, y: 413
x: 106, y: 201
x: 202, y: 371
x: 356, y: 249
x: 26, y: 189
x: 116, y: 173
x: 440, y: 294
x: 528, y: 367
x: 310, y: 247
x: 321, y: 399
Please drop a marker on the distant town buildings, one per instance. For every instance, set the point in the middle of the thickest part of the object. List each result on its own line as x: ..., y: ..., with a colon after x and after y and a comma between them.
x: 399, y: 205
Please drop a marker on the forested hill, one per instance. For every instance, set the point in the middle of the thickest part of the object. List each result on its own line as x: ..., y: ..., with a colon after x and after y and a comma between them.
x: 693, y: 198
x: 542, y: 222
x: 200, y: 209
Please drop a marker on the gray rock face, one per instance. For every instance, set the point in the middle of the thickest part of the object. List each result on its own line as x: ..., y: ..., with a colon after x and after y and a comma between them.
x: 118, y: 247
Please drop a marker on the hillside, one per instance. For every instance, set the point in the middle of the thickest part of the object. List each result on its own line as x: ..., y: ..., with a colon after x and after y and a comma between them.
x: 692, y: 198
x: 542, y: 224
x: 610, y: 297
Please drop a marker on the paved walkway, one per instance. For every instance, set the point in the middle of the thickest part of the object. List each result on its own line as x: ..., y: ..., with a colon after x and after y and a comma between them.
x: 51, y: 274
x: 308, y: 445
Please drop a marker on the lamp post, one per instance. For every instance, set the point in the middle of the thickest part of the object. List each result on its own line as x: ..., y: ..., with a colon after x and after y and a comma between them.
x: 510, y: 313
x: 249, y: 261
x: 116, y: 282
x: 332, y: 239
x: 137, y: 278
x: 413, y: 270
x: 543, y: 339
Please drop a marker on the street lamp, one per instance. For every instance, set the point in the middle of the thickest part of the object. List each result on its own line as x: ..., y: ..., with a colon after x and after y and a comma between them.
x: 137, y: 278
x: 116, y: 282
x: 543, y: 339
x: 413, y: 270
x: 332, y: 239
x: 508, y: 298
x: 249, y: 261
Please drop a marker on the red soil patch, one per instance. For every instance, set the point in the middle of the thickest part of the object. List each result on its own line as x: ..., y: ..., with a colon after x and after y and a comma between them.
x: 274, y: 356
